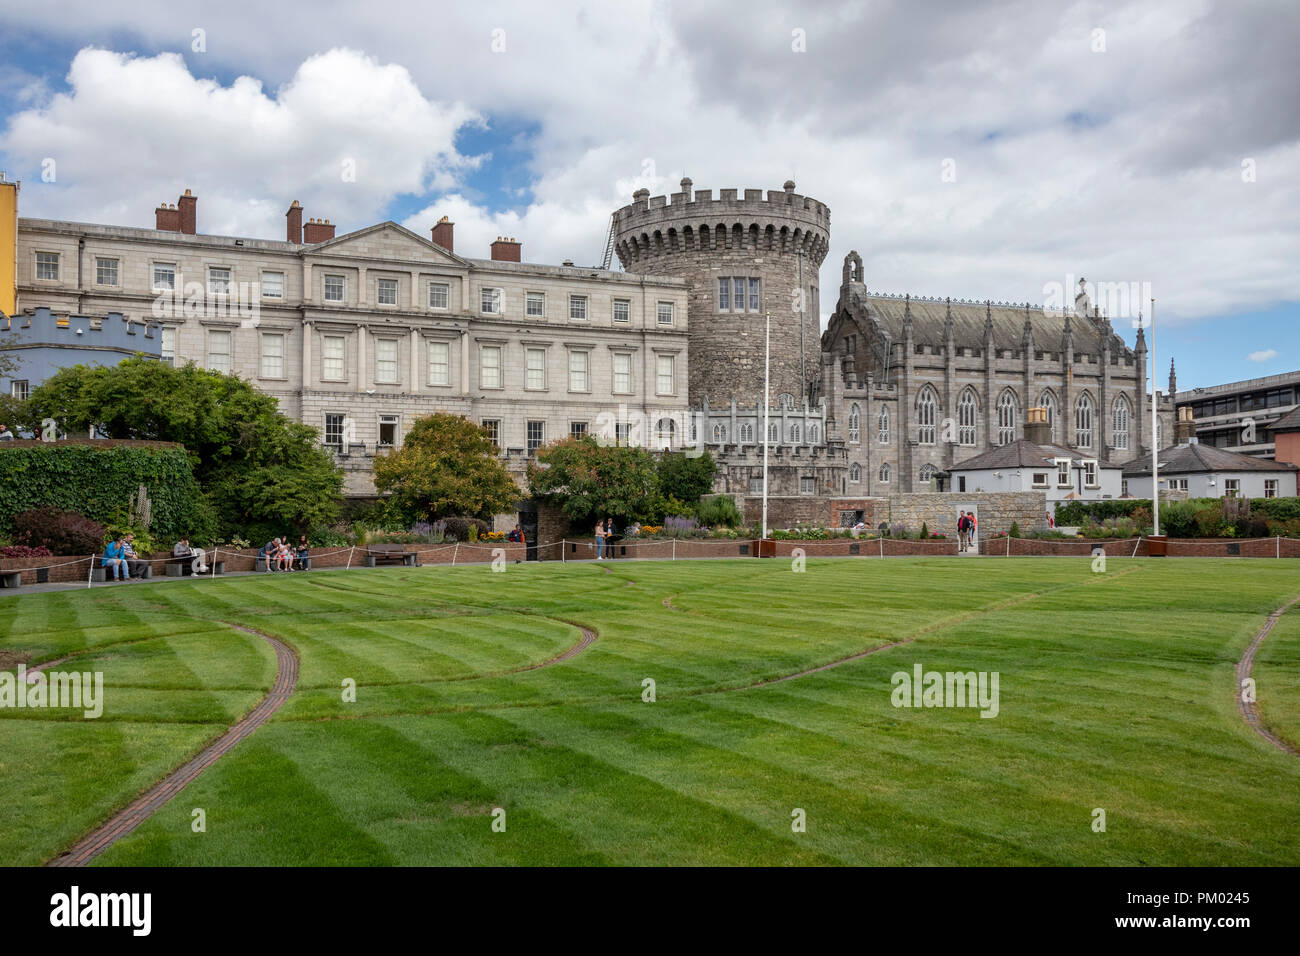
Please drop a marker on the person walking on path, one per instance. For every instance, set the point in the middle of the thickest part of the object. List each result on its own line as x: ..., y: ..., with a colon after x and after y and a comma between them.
x: 963, y: 529
x: 973, y: 524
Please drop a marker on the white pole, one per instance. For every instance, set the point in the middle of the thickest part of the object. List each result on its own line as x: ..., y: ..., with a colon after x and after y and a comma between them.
x: 767, y: 384
x: 563, y: 559
x: 454, y: 553
x: 1155, y: 423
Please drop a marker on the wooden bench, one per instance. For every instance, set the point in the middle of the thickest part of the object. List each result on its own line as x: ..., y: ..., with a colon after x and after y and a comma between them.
x: 11, y: 579
x: 391, y: 554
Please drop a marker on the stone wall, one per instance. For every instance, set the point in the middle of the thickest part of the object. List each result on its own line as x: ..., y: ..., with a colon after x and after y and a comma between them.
x: 703, y: 239
x: 939, y: 512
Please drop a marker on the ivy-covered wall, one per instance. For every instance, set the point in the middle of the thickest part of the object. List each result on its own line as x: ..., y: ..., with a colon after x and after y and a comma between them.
x: 98, y: 479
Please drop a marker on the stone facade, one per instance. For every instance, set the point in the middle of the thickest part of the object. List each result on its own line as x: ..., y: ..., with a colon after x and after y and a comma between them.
x: 361, y: 334
x: 916, y: 385
x: 706, y: 240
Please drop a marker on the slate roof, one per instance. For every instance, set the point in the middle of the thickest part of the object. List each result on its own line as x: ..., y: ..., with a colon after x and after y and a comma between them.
x: 968, y: 318
x: 1290, y: 422
x: 1022, y: 453
x: 1195, y: 458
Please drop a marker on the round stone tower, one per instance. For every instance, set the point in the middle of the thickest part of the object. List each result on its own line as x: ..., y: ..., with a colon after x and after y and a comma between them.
x: 740, y: 258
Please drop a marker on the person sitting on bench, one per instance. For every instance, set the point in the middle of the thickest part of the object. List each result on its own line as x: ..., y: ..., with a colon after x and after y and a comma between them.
x: 114, y: 560
x: 304, y: 554
x: 134, y: 566
x: 183, y: 550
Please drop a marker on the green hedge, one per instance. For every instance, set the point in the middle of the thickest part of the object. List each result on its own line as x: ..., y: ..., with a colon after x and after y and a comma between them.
x: 1081, y: 512
x: 98, y: 481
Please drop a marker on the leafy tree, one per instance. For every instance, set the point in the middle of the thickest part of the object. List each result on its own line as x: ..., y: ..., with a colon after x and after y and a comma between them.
x: 589, y: 481
x: 686, y: 478
x: 261, y: 472
x: 447, y: 465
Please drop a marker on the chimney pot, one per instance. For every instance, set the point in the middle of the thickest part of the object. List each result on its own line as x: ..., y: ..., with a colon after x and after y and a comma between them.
x: 318, y: 230
x: 505, y: 250
x: 442, y: 233
x: 293, y: 223
x: 187, y: 209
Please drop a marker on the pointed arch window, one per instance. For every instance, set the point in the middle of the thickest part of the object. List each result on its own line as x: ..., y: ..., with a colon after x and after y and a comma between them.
x: 1007, y: 415
x: 925, y: 413
x: 855, y: 423
x: 794, y: 433
x: 882, y: 425
x: 1119, y: 419
x: 967, y: 413
x: 719, y: 434
x: 927, y: 473
x: 1047, y: 402
x: 884, y: 472
x: 773, y: 433
x: 855, y: 473
x: 1083, y: 416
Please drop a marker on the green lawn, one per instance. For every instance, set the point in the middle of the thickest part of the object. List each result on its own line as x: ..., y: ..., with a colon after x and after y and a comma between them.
x: 1116, y: 692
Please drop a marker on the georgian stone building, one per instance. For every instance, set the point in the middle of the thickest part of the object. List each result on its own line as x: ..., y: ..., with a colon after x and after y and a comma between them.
x: 360, y: 334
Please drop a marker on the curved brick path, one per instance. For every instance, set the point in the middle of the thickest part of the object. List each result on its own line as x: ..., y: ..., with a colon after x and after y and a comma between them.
x: 1250, y: 709
x: 125, y: 821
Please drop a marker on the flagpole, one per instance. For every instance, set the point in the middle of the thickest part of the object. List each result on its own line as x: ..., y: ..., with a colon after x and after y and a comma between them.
x: 767, y: 384
x: 1155, y: 431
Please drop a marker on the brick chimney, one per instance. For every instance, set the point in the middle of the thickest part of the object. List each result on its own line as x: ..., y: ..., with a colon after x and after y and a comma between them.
x: 317, y: 230
x: 1037, y: 429
x: 505, y: 250
x: 188, y: 208
x: 167, y: 218
x: 293, y: 223
x: 1184, y: 426
x: 442, y: 233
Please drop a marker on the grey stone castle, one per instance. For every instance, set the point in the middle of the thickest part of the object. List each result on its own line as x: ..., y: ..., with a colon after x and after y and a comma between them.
x: 898, y: 389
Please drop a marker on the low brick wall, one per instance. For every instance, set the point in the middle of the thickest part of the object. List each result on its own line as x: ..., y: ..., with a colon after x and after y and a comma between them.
x: 1123, y: 547
x: 67, y: 569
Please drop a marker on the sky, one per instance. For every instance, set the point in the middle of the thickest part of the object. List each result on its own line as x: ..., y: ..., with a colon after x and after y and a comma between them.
x: 976, y: 150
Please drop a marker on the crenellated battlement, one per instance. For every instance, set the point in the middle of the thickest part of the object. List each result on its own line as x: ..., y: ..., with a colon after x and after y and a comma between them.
x: 692, y: 220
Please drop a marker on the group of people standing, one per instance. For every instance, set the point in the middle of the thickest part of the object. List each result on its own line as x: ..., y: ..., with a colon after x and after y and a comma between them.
x: 966, y: 526
x: 604, y: 536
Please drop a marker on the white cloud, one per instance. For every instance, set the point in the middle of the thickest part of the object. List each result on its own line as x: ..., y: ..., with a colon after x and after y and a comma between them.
x: 1124, y: 166
x: 1263, y: 355
x: 344, y: 135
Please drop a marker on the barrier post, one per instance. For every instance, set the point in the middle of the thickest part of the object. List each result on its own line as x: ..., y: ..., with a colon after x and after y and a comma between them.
x: 1136, y: 544
x: 350, y: 553
x: 882, y: 548
x: 674, y: 549
x: 1279, y: 546
x: 454, y: 553
x: 563, y: 556
x: 90, y: 571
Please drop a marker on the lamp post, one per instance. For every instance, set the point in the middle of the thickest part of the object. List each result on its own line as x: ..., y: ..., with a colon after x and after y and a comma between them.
x: 767, y: 384
x: 803, y: 362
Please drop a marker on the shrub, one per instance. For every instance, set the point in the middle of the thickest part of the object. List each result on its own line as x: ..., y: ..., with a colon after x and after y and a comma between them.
x: 925, y: 531
x: 1015, y: 529
x: 62, y: 532
x: 719, y: 512
x: 22, y: 551
x: 679, y: 526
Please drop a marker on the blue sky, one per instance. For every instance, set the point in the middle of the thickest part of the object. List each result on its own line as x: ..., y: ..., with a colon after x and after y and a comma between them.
x: 1123, y: 163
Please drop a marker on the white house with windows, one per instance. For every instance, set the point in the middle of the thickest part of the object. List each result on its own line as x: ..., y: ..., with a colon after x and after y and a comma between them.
x: 1063, y: 474
x: 1203, y: 471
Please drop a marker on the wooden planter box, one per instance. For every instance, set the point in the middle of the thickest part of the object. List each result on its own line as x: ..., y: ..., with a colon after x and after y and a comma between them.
x: 1157, y: 546
x: 765, y: 548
